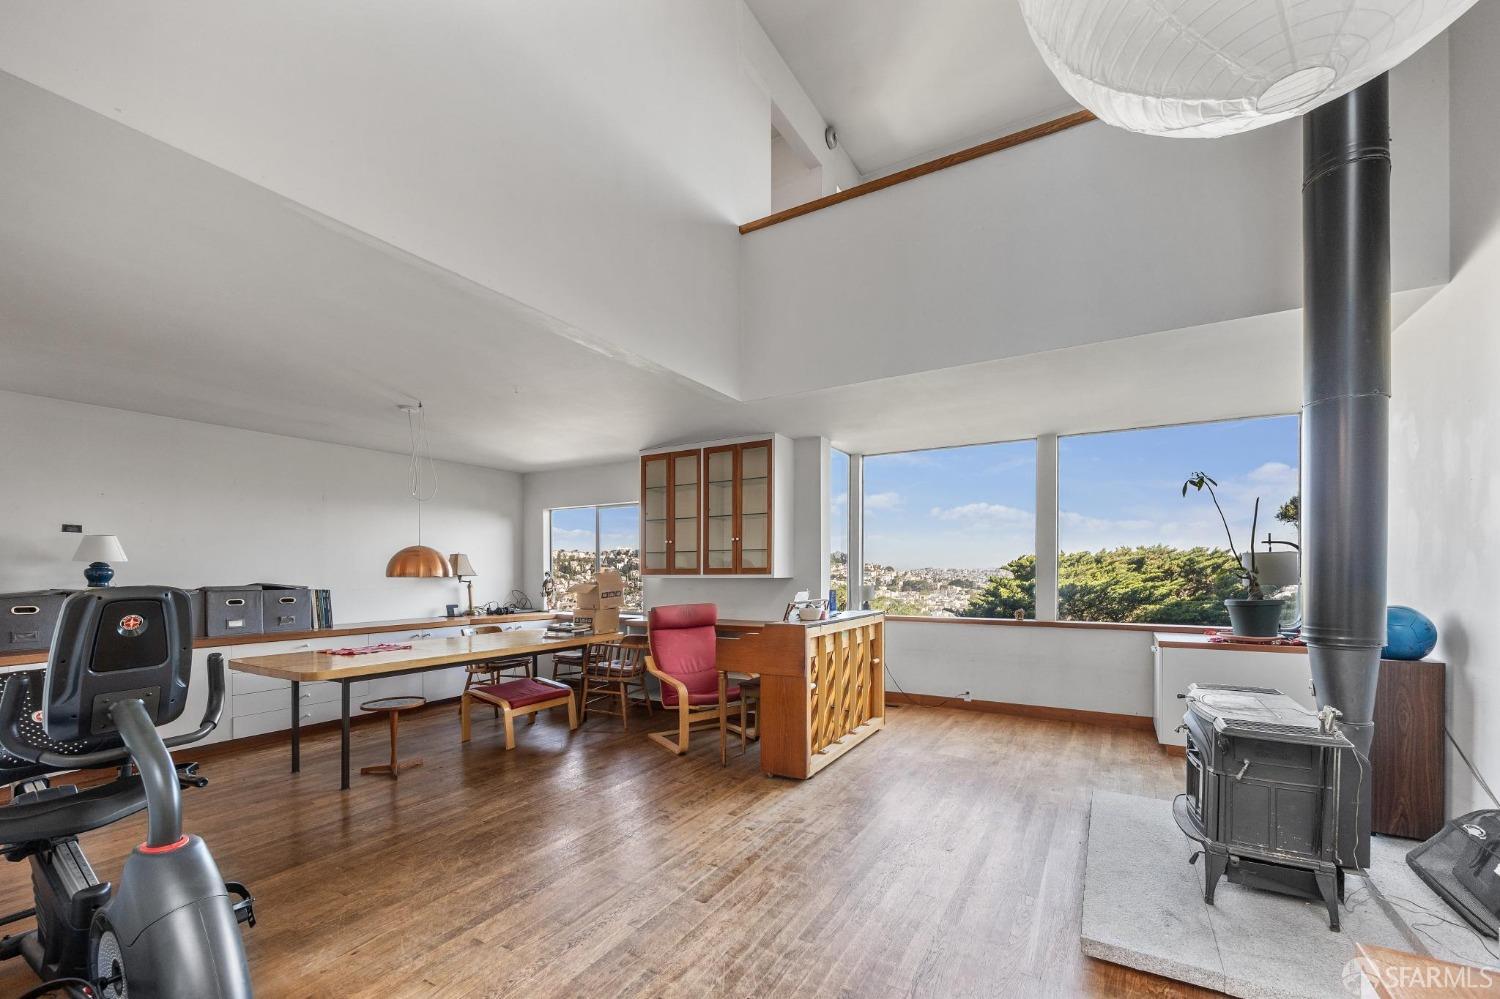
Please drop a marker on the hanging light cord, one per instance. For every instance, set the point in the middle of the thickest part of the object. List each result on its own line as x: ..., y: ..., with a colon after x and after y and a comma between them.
x: 421, y: 453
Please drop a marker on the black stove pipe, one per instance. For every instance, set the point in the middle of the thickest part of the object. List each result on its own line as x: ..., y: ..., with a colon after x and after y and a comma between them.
x: 1346, y: 236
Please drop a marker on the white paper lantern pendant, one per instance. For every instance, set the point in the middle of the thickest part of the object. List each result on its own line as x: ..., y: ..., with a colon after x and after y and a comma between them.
x: 1202, y: 68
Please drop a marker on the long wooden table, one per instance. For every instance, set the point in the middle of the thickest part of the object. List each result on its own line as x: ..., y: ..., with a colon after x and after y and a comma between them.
x: 425, y: 654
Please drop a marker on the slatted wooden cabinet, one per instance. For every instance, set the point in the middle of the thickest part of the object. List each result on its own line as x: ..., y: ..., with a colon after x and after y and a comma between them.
x: 718, y: 509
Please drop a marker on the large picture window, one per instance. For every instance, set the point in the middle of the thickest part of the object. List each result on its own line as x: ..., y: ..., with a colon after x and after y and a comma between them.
x: 952, y: 532
x: 1131, y: 547
x: 584, y: 539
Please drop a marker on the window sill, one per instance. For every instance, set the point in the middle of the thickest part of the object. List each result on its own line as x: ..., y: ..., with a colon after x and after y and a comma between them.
x: 1006, y: 622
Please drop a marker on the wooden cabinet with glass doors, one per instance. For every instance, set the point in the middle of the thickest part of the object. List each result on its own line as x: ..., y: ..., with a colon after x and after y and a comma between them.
x: 737, y: 509
x: 670, y: 501
x: 719, y: 509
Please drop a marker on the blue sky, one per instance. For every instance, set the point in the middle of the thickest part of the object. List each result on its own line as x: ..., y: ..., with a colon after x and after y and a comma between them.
x: 573, y: 527
x: 975, y: 507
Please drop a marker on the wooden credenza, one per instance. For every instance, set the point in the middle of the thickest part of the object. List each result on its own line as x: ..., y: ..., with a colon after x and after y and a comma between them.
x: 821, y: 686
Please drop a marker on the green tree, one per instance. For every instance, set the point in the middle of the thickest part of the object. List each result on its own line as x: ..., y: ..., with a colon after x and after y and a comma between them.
x: 1153, y: 584
x: 1002, y: 597
x: 1290, y: 511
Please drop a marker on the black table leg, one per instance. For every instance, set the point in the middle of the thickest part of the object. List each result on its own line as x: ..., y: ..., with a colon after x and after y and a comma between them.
x: 296, y: 727
x: 344, y: 739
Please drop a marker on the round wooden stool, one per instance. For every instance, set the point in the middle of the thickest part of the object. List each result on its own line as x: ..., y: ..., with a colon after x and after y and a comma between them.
x: 393, y: 706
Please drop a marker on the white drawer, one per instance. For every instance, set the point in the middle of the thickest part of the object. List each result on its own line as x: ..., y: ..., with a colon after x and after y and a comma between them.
x: 280, y: 720
x: 409, y: 685
x: 279, y: 700
x: 440, y: 684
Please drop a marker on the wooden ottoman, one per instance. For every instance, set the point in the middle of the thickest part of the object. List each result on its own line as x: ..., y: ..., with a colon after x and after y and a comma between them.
x: 523, y: 696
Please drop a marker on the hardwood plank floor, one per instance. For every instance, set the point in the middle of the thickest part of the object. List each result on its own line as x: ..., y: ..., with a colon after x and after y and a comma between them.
x: 942, y: 858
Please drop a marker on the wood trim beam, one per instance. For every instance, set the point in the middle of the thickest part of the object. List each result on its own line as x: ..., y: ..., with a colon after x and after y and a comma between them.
x: 1010, y: 141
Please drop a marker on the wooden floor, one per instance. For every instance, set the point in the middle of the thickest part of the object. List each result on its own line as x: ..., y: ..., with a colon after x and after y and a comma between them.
x: 942, y: 858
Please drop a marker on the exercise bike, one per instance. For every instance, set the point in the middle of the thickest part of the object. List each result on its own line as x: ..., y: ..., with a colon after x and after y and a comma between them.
x: 120, y: 665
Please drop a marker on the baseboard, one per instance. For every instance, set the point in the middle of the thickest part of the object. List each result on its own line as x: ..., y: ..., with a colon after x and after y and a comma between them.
x: 1104, y: 718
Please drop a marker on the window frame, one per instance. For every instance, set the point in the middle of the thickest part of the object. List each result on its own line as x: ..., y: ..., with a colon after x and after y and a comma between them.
x: 1047, y: 527
x: 857, y: 471
x: 598, y: 530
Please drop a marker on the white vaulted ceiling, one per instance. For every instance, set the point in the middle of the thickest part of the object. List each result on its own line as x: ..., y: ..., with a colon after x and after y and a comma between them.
x: 905, y: 81
x: 287, y: 218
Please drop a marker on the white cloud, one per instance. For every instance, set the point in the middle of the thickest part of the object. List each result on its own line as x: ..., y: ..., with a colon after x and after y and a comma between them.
x: 839, y: 501
x: 983, y: 514
x: 883, y: 501
x: 1068, y: 518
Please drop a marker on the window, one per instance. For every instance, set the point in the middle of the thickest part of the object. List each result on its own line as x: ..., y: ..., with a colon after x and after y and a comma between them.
x: 952, y: 532
x: 584, y: 539
x: 1133, y: 548
x: 838, y: 526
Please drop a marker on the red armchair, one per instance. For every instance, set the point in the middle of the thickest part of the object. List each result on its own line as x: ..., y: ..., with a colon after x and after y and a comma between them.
x: 684, y: 659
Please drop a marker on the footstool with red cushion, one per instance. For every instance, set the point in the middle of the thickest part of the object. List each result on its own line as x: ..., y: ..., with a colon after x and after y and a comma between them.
x: 523, y: 696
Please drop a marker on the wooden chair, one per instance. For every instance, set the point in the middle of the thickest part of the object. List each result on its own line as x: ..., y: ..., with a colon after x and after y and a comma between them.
x: 684, y: 659
x: 514, y: 698
x: 611, y: 669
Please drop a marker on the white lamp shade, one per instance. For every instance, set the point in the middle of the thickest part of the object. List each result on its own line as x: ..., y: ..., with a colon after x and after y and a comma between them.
x: 461, y: 564
x: 99, y: 548
x: 1216, y: 67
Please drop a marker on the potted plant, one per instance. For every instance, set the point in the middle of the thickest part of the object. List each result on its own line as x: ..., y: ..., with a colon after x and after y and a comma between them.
x: 1254, y: 615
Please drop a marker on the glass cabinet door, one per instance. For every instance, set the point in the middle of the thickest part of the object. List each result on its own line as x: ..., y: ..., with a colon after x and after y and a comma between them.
x: 685, y: 499
x: 654, y: 513
x: 754, y: 532
x: 720, y: 530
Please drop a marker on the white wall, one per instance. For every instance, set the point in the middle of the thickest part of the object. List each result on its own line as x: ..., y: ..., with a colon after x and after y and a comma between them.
x: 1085, y: 236
x: 793, y: 182
x: 619, y: 482
x: 590, y: 159
x: 1085, y: 669
x: 195, y: 504
x: 585, y: 485
x: 1445, y: 411
x: 793, y: 113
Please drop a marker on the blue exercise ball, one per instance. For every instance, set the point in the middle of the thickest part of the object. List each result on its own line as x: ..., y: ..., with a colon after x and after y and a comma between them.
x: 1409, y: 634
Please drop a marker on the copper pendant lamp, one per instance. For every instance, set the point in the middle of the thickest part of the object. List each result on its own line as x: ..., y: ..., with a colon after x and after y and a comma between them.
x: 419, y: 561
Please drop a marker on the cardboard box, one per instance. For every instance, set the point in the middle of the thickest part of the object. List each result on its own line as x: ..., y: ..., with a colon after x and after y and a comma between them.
x: 605, y: 590
x: 600, y: 620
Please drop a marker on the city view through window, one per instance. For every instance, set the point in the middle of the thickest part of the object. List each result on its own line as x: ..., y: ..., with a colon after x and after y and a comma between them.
x: 951, y: 532
x: 584, y: 539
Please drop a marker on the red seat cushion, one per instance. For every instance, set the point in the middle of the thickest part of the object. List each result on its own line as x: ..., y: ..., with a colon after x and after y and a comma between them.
x: 519, y: 693
x: 695, y: 698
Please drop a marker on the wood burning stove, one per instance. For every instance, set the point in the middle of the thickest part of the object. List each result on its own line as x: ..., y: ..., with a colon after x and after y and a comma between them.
x: 1266, y: 780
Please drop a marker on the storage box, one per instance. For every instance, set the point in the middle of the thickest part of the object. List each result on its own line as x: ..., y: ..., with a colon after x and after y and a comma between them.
x: 195, y: 609
x: 600, y: 620
x: 606, y: 589
x: 232, y: 610
x: 285, y: 608
x: 27, y: 620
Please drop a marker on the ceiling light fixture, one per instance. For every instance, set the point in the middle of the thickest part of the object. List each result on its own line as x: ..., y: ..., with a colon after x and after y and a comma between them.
x: 419, y: 561
x: 1202, y: 68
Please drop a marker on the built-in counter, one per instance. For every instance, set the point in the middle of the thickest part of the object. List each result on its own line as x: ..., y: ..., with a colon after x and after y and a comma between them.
x: 821, y: 689
x: 348, y: 630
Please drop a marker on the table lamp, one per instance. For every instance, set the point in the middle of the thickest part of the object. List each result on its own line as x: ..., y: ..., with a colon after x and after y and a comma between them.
x: 464, y: 570
x: 99, y: 550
